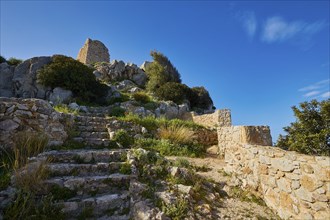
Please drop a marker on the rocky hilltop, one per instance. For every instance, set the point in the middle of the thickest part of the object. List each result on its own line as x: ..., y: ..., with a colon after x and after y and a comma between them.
x: 96, y: 139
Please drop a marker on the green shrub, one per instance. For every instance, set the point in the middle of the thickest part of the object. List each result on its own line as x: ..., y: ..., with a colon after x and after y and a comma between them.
x: 65, y: 109
x: 310, y: 133
x: 199, y: 97
x: 14, y: 61
x: 117, y: 111
x: 141, y: 97
x: 172, y: 91
x: 70, y: 74
x: 123, y: 138
x: 2, y: 59
x: 160, y: 71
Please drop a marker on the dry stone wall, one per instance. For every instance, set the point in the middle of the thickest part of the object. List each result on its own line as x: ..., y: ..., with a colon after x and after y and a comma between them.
x: 296, y: 186
x: 219, y: 118
x: 29, y: 115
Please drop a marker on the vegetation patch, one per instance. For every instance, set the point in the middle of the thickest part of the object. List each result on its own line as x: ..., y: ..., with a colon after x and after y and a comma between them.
x: 65, y: 109
x: 122, y: 137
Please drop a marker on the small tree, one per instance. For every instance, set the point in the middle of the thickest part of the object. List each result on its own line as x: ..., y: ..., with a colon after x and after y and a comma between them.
x: 172, y: 91
x: 14, y: 61
x: 161, y: 71
x: 2, y: 59
x: 70, y: 74
x: 310, y: 134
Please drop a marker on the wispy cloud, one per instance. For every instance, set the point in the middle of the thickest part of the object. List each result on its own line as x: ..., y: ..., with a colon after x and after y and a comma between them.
x: 312, y: 93
x: 314, y: 86
x: 319, y: 89
x: 326, y: 95
x: 249, y: 22
x: 276, y: 29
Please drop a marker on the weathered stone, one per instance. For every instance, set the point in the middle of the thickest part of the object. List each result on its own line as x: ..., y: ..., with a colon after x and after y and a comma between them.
x: 320, y: 197
x: 60, y: 95
x: 284, y: 185
x: 6, y: 76
x: 8, y: 125
x: 310, y: 183
x: 307, y: 168
x: 303, y: 194
x: 24, y: 79
x: 145, y: 65
x: 295, y: 184
x: 93, y: 51
x: 282, y: 165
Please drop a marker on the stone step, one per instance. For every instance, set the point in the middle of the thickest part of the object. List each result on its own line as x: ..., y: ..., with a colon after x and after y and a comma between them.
x: 83, y: 156
x: 69, y: 169
x: 93, y: 141
x: 93, y: 114
x: 91, y: 123
x: 93, y: 134
x: 108, y: 206
x: 92, y: 128
x: 89, y: 185
x: 91, y: 117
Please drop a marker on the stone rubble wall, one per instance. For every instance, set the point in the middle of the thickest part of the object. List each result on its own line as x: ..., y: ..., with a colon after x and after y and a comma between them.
x: 219, y: 118
x: 31, y: 115
x: 295, y: 186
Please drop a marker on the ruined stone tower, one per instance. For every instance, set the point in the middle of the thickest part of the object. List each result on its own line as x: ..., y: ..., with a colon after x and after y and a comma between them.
x: 93, y: 51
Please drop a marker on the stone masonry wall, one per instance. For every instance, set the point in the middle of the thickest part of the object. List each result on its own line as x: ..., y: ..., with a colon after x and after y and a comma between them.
x: 296, y: 186
x: 219, y: 118
x: 93, y: 51
x: 31, y: 115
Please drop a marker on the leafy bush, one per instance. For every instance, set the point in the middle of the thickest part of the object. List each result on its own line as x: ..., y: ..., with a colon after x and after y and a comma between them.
x: 123, y: 138
x: 172, y: 91
x: 141, y: 97
x: 14, y: 61
x: 2, y: 59
x: 117, y: 111
x: 160, y: 71
x: 65, y: 109
x: 199, y: 97
x: 70, y: 74
x: 176, y: 134
x: 310, y: 134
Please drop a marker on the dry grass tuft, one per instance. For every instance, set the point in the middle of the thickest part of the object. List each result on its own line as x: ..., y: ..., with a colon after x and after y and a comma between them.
x: 177, y: 134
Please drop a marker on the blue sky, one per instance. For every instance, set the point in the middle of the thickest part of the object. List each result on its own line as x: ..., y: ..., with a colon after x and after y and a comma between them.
x: 256, y: 58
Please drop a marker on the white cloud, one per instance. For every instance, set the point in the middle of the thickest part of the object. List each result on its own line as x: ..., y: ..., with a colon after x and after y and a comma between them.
x: 312, y: 93
x: 326, y: 95
x: 249, y: 22
x: 276, y: 29
x: 317, y: 85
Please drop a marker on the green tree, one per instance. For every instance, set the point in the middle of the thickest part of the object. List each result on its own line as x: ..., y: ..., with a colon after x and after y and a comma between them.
x: 70, y: 74
x: 161, y: 71
x: 200, y: 98
x: 14, y: 61
x: 2, y: 59
x: 310, y: 133
x: 172, y: 91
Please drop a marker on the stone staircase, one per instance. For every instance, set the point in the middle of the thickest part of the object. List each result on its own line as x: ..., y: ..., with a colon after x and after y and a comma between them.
x: 91, y: 130
x: 87, y: 182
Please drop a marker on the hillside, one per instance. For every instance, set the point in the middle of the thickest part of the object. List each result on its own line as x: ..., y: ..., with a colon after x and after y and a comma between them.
x: 98, y: 139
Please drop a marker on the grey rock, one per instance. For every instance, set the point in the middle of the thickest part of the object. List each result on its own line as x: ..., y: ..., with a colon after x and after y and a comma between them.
x: 125, y: 85
x: 24, y: 79
x: 144, y: 65
x: 60, y: 95
x: 74, y: 106
x: 134, y: 90
x: 8, y: 125
x: 6, y: 76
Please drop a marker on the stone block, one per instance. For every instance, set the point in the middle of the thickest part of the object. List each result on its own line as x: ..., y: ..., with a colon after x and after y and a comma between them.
x: 284, y: 185
x: 310, y: 183
x: 304, y: 194
x: 282, y: 165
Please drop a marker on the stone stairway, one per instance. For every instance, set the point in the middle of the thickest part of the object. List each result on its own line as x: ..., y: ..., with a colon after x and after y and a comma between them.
x: 87, y: 183
x: 91, y: 130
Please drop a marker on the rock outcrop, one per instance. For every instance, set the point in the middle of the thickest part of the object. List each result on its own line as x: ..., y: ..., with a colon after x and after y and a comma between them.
x: 6, y: 77
x: 118, y: 71
x: 24, y: 80
x: 93, y: 51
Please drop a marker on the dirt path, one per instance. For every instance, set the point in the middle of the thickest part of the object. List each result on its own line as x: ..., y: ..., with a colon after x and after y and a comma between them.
x: 237, y: 204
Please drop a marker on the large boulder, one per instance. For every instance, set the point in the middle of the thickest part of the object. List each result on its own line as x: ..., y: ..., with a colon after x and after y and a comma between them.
x: 24, y: 79
x: 6, y: 77
x: 60, y: 95
x: 167, y: 109
x: 118, y: 71
x: 93, y: 51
